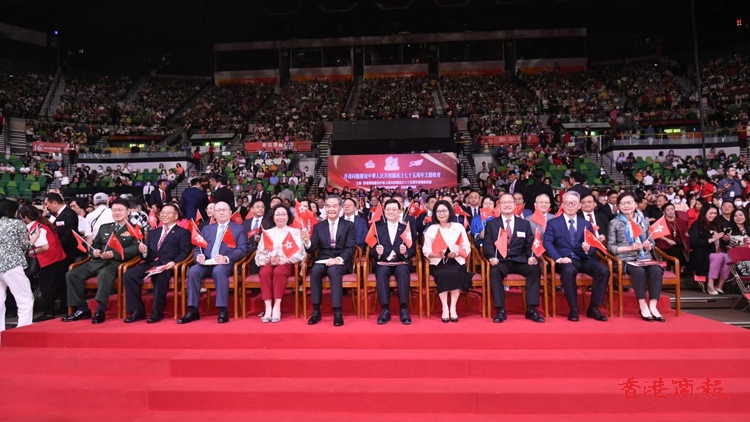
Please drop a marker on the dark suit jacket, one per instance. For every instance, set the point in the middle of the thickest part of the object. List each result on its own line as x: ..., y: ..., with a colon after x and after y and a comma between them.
x: 582, y: 190
x: 224, y: 194
x: 557, y: 240
x: 606, y: 211
x: 468, y: 210
x: 346, y: 241
x: 520, y: 186
x: 421, y: 224
x: 265, y: 222
x: 69, y: 220
x: 192, y: 201
x: 360, y: 231
x: 264, y: 196
x: 536, y: 189
x: 128, y: 242
x: 175, y: 248
x: 519, y: 247
x: 155, y: 197
x: 385, y: 239
x: 601, y: 220
x: 234, y: 254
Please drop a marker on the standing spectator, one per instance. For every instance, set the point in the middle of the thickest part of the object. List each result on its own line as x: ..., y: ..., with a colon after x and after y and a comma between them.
x: 13, y: 245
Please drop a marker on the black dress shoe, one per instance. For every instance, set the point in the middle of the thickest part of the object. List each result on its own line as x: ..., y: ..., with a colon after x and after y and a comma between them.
x: 98, y: 317
x: 338, y: 319
x: 573, y: 315
x: 223, y: 317
x: 596, y: 314
x: 155, y: 317
x: 558, y: 289
x: 405, y: 317
x: 500, y: 316
x: 533, y: 315
x: 660, y: 319
x: 385, y: 316
x: 190, y: 316
x: 445, y: 320
x: 45, y: 317
x: 77, y: 316
x: 647, y: 319
x: 314, y: 318
x: 135, y: 316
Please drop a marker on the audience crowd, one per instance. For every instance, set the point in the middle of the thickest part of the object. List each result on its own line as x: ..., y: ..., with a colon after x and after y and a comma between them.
x: 396, y: 98
x: 23, y: 86
x: 226, y: 108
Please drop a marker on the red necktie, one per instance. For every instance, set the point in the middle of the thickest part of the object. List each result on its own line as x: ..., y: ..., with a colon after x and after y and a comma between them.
x: 164, y: 233
x: 508, y: 229
x: 593, y: 226
x: 163, y: 197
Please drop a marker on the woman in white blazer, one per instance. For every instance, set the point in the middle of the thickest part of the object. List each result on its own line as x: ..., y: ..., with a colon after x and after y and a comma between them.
x: 447, y: 265
x: 277, y: 263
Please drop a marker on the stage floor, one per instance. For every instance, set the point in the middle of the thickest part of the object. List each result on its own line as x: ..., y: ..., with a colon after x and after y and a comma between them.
x: 473, y: 369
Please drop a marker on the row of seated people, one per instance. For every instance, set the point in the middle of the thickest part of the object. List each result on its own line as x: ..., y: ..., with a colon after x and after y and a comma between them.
x: 158, y: 100
x: 91, y: 97
x: 225, y: 108
x: 448, y: 269
x: 396, y: 98
x: 23, y: 86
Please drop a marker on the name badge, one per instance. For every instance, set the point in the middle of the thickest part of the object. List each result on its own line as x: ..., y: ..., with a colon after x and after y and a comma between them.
x: 60, y: 223
x: 125, y: 234
x: 520, y: 234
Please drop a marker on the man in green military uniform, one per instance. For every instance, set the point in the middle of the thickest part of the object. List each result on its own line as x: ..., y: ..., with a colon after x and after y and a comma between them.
x: 103, y: 265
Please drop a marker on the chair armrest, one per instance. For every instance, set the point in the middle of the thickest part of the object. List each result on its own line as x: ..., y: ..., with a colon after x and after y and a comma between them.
x: 674, y: 260
x: 247, y: 264
x: 79, y: 263
x: 123, y: 267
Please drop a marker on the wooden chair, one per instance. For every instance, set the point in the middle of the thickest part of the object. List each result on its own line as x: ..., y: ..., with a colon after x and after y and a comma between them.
x: 517, y: 280
x: 208, y: 283
x: 473, y: 264
x: 669, y: 278
x: 582, y: 281
x: 174, y: 282
x: 91, y: 283
x: 252, y: 281
x: 350, y: 281
x: 369, y: 280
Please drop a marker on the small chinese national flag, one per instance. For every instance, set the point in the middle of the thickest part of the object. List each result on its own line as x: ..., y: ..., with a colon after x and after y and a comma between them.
x: 135, y: 232
x: 236, y: 217
x: 152, y: 220
x: 372, y: 237
x: 267, y: 241
x: 496, y: 210
x: 228, y: 238
x: 377, y: 215
x: 539, y: 219
x: 198, y: 217
x: 659, y: 229
x: 289, y: 246
x: 592, y: 240
x: 636, y: 230
x: 501, y: 244
x: 537, y: 247
x: 114, y: 244
x: 457, y: 210
x: 518, y: 210
x: 80, y: 241
x: 439, y: 245
x: 559, y: 212
x: 485, y: 213
x: 196, y: 238
x: 406, y: 236
x: 462, y: 252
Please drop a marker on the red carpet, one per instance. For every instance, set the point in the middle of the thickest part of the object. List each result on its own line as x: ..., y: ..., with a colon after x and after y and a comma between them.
x: 429, y: 371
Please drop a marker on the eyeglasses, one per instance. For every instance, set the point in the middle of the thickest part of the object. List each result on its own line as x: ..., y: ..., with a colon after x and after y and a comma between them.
x: 442, y: 212
x: 627, y: 203
x: 167, y: 213
x: 570, y: 203
x: 507, y: 202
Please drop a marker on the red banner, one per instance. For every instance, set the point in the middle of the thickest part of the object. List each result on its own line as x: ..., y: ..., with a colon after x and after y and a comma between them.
x: 296, y: 145
x: 495, y: 141
x: 49, y: 147
x: 393, y: 171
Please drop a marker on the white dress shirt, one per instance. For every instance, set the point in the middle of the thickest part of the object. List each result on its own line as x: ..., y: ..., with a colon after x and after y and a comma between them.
x: 586, y: 216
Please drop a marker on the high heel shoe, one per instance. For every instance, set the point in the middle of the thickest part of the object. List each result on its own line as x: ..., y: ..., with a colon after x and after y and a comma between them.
x: 721, y: 292
x: 445, y: 320
x: 454, y: 319
x: 649, y: 318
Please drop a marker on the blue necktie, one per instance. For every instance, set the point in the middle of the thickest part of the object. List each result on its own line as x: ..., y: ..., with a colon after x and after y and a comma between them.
x: 573, y: 235
x: 217, y: 242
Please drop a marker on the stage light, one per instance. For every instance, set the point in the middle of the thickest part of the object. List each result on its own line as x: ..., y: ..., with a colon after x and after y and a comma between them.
x: 55, y: 32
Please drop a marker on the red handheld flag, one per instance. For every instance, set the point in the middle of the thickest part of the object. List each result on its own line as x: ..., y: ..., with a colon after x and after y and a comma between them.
x: 184, y: 223
x: 228, y: 238
x: 406, y: 236
x: 81, y: 242
x: 592, y: 240
x: 659, y: 229
x: 267, y: 241
x: 538, y: 247
x: 518, y: 210
x: 496, y: 210
x: 372, y: 237
x: 501, y: 244
x: 236, y: 217
x: 199, y: 217
x: 457, y: 210
x: 559, y: 212
x: 152, y: 220
x: 636, y: 230
x: 414, y: 209
x: 289, y: 246
x: 539, y: 219
x: 428, y: 220
x: 377, y: 215
x: 114, y: 244
x: 196, y: 239
x: 135, y: 232
x: 439, y: 245
x: 212, y: 221
x: 462, y: 252
x: 485, y: 213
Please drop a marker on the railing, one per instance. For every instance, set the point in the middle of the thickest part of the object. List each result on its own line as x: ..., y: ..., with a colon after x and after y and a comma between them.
x: 134, y: 155
x: 51, y: 93
x: 685, y: 139
x: 6, y: 135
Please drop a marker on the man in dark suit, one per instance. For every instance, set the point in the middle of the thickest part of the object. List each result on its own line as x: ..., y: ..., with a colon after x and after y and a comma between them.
x: 393, y: 258
x: 425, y: 219
x: 217, y: 261
x: 221, y: 192
x: 334, y: 239
x: 103, y: 265
x: 473, y: 205
x: 609, y: 209
x: 565, y: 243
x: 577, y: 179
x: 160, y: 196
x: 538, y: 187
x: 166, y: 245
x: 260, y: 194
x: 598, y: 221
x: 513, y: 185
x: 253, y: 224
x: 66, y: 222
x: 518, y: 260
x: 360, y: 224
x: 194, y: 200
